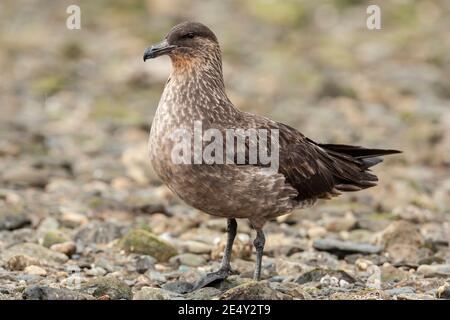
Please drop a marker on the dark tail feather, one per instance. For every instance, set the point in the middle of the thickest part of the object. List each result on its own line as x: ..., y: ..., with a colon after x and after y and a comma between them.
x: 358, y: 152
x: 370, y: 162
x: 354, y: 162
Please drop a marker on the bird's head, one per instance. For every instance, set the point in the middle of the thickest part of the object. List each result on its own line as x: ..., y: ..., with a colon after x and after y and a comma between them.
x: 185, y: 43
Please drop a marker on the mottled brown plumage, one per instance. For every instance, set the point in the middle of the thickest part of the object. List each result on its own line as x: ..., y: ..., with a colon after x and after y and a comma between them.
x: 307, y: 171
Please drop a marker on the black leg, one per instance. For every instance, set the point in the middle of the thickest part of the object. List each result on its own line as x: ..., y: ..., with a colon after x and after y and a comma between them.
x: 259, y: 242
x: 225, y: 268
x: 231, y: 230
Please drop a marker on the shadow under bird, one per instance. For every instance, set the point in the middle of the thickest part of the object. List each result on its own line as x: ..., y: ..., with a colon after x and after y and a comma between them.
x: 307, y: 170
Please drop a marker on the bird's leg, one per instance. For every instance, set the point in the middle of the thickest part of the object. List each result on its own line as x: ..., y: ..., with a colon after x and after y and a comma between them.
x: 259, y: 242
x: 231, y: 232
x: 225, y: 267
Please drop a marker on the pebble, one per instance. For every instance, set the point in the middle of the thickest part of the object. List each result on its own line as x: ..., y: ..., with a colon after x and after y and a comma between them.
x: 96, y: 271
x: 13, y: 221
x: 178, y: 286
x: 73, y: 219
x: 68, y: 248
x: 400, y: 290
x: 42, y: 254
x: 148, y: 293
x: 253, y: 290
x: 188, y: 259
x: 434, y: 270
x: 109, y: 286
x: 342, y: 248
x: 20, y: 262
x: 35, y: 271
x: 144, y: 263
x: 317, y: 274
x: 144, y: 242
x: 46, y: 293
x: 443, y: 292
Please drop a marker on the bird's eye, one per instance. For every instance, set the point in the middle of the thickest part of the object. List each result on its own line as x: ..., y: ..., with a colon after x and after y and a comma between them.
x: 189, y: 35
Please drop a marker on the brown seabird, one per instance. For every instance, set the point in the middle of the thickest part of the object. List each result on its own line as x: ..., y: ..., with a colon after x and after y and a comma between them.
x: 306, y: 170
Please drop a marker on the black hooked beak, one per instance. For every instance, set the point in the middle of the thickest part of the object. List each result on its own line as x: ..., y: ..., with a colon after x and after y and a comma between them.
x: 158, y: 49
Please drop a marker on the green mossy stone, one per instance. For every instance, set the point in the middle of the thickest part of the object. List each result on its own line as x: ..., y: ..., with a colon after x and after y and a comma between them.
x: 54, y: 237
x: 144, y: 242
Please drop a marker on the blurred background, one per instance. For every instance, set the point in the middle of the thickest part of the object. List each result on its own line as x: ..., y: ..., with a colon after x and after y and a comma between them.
x: 76, y: 107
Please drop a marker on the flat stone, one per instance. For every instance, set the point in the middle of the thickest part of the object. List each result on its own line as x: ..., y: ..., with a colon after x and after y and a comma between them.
x: 206, y: 293
x: 442, y: 270
x: 68, y: 248
x: 178, y: 286
x: 35, y: 271
x: 20, y: 262
x: 148, y: 293
x: 343, y: 248
x: 26, y: 176
x: 144, y: 263
x: 254, y: 290
x: 317, y: 274
x: 33, y: 250
x: 98, y: 233
x: 144, y: 242
x: 13, y: 221
x: 401, y: 290
x: 46, y: 293
x: 188, y: 259
x: 108, y: 286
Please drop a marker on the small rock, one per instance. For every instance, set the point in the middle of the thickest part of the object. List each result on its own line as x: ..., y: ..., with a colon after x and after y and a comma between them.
x: 317, y: 274
x: 98, y: 233
x: 46, y: 225
x: 402, y: 241
x: 108, y: 286
x: 35, y: 271
x: 317, y: 232
x: 73, y: 220
x: 413, y: 214
x: 196, y: 247
x: 156, y: 277
x: 391, y: 274
x: 414, y: 296
x: 434, y: 270
x: 54, y: 237
x: 443, y: 292
x: 68, y: 248
x: 12, y: 220
x: 285, y: 267
x: 343, y: 248
x: 292, y: 289
x: 207, y: 293
x: 178, y: 287
x: 374, y: 279
x: 362, y: 264
x: 26, y: 176
x: 20, y: 262
x: 338, y: 224
x: 401, y: 290
x: 47, y: 293
x: 188, y: 259
x: 33, y: 250
x: 144, y: 242
x: 253, y: 290
x: 143, y: 263
x: 329, y: 281
x: 96, y: 272
x: 148, y: 293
